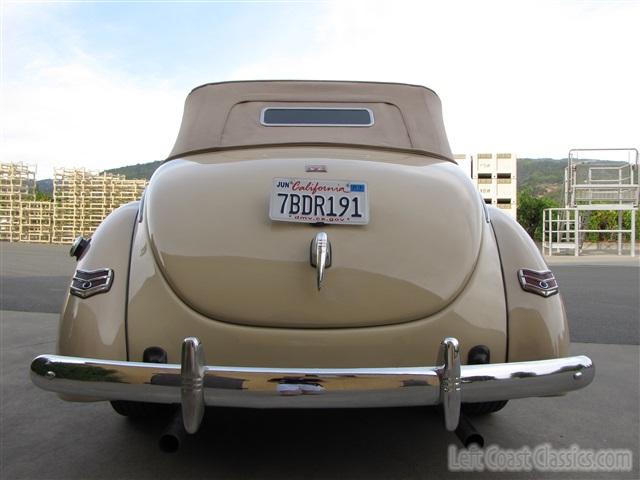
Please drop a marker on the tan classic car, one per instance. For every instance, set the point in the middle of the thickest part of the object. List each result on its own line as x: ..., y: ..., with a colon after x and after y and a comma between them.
x: 318, y: 241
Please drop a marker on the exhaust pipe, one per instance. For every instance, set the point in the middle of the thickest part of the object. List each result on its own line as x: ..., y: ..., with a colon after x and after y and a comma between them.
x: 467, y: 434
x: 173, y: 434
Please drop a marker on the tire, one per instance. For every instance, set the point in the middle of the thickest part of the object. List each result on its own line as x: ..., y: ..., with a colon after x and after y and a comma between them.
x: 483, y: 408
x: 142, y: 410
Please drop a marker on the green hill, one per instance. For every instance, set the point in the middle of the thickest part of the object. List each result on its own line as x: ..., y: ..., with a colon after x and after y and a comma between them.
x: 542, y: 176
x: 45, y: 186
x: 137, y: 171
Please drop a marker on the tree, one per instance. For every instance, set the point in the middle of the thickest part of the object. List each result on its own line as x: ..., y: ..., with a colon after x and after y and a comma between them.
x: 43, y: 196
x: 530, y: 210
x: 608, y: 220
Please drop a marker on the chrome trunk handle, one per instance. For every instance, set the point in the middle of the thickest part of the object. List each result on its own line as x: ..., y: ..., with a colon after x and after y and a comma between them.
x: 320, y: 256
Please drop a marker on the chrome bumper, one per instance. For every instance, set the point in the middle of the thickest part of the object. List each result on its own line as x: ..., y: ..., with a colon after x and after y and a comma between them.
x: 195, y: 385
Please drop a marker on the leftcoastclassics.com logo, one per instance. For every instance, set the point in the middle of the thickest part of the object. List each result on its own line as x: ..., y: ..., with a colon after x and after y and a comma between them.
x: 543, y: 458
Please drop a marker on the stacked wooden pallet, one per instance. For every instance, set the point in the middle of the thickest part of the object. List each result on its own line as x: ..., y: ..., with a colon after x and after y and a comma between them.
x: 36, y: 221
x: 17, y: 186
x: 83, y: 198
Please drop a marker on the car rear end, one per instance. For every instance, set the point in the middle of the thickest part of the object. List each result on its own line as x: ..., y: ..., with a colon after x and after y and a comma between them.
x: 307, y: 244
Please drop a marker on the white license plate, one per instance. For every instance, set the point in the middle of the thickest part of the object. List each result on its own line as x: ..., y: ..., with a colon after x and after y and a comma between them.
x: 312, y: 201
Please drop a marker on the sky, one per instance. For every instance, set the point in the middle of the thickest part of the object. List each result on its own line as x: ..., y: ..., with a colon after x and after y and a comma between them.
x: 102, y: 84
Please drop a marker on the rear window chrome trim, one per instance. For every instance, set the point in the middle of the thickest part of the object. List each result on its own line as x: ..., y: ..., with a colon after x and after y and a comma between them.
x: 265, y: 124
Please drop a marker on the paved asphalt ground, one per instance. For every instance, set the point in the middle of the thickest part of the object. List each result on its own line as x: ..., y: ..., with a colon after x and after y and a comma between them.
x: 44, y: 437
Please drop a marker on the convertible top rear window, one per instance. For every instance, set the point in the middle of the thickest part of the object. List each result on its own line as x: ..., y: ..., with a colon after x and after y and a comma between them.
x: 316, y: 117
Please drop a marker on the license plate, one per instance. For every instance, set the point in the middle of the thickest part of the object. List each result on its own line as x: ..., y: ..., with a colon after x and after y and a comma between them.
x: 313, y: 201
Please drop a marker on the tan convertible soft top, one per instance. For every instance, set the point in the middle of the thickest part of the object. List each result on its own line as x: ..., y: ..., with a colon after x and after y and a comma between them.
x: 227, y: 115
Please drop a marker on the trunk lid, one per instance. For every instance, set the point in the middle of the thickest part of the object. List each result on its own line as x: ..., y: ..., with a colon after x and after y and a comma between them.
x: 208, y: 222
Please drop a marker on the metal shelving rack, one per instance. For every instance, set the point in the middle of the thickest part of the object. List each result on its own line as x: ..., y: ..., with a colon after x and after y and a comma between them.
x: 590, y: 187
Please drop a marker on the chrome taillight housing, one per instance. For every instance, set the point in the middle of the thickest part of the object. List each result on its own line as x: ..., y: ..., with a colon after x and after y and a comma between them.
x: 87, y: 283
x: 541, y: 282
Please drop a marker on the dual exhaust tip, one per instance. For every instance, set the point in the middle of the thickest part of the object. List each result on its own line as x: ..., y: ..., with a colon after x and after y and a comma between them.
x: 174, y: 433
x: 467, y: 434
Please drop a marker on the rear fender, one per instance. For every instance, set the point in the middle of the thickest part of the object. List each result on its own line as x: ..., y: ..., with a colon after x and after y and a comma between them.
x: 95, y: 327
x: 537, y: 326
